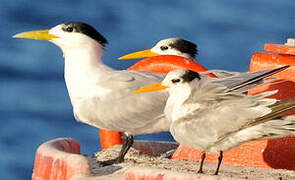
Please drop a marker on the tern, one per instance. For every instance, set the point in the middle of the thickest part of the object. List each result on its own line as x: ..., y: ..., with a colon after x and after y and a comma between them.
x: 208, y: 115
x: 101, y: 96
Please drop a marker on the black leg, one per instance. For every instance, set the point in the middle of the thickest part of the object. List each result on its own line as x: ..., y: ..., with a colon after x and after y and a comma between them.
x: 127, y: 143
x: 219, y: 162
x: 202, y: 162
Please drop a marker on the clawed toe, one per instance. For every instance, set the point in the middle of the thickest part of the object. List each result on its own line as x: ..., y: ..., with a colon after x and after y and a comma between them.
x: 110, y: 162
x: 201, y: 172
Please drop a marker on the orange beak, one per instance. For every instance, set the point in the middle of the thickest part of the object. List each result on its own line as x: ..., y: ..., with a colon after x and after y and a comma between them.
x: 151, y: 88
x: 139, y: 54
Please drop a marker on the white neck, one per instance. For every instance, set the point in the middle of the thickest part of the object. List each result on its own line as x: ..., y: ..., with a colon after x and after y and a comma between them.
x: 177, y: 96
x: 84, y: 60
x: 83, y: 68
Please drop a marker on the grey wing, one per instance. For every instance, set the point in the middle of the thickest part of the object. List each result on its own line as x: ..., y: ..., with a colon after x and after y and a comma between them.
x: 121, y: 109
x: 218, y: 114
x: 221, y: 73
x: 135, y: 76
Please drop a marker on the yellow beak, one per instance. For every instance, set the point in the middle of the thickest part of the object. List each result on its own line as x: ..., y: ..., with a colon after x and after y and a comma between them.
x: 39, y: 34
x: 139, y: 54
x: 151, y: 88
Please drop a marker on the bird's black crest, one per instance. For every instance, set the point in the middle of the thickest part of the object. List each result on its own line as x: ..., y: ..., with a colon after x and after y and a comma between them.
x: 87, y: 30
x: 190, y: 75
x: 186, y: 47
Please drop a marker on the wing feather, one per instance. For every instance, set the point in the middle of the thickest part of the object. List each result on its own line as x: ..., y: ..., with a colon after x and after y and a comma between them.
x: 141, y: 113
x: 218, y: 113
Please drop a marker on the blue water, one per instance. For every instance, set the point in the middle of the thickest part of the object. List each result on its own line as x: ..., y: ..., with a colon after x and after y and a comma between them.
x: 34, y: 104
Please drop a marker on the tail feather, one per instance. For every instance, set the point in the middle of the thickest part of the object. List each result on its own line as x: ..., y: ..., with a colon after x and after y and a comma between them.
x: 276, y: 128
x: 279, y: 128
x: 278, y: 109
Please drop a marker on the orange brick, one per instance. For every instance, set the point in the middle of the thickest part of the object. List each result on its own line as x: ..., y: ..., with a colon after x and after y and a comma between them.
x: 60, y: 159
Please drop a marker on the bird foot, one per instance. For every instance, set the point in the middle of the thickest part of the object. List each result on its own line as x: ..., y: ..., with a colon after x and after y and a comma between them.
x: 111, y: 162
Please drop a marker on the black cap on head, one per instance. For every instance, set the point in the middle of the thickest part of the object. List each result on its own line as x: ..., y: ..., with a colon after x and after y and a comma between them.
x: 85, y: 29
x: 186, y: 47
x: 189, y: 76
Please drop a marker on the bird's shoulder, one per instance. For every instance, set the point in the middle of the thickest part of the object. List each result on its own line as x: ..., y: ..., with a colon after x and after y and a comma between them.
x: 130, y: 75
x: 131, y: 80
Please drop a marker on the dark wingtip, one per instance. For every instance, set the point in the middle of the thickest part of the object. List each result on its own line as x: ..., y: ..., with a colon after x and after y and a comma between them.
x: 274, y: 71
x: 282, y: 68
x: 258, y: 78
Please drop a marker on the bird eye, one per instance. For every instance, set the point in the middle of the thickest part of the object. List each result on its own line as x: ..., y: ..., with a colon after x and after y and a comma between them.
x: 69, y: 29
x: 175, y: 81
x: 163, y: 48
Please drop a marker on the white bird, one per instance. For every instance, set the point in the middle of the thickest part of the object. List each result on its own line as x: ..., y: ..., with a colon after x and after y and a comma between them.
x: 103, y: 97
x: 207, y: 115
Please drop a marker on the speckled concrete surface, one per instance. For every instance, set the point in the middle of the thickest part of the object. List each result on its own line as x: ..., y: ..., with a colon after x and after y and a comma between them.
x: 157, y: 159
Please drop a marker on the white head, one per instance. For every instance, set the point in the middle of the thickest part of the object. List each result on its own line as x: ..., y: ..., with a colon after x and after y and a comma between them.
x: 179, y: 77
x: 170, y: 46
x: 176, y: 46
x: 175, y: 80
x: 68, y: 36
